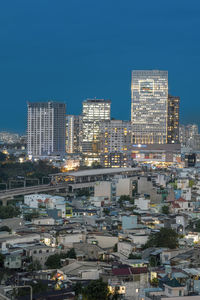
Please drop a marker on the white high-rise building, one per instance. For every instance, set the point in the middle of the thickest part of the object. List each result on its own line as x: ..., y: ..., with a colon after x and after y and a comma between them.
x: 94, y: 112
x: 149, y: 101
x: 73, y: 133
x: 46, y: 128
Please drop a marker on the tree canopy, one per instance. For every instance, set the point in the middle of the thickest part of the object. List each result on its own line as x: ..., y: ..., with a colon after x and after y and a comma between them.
x: 166, y: 237
x: 134, y: 256
x: 124, y: 198
x: 71, y: 253
x: 9, y: 212
x: 5, y: 228
x: 96, y: 289
x: 54, y: 261
x: 2, y: 257
x: 2, y: 156
x: 165, y: 209
x: 11, y: 169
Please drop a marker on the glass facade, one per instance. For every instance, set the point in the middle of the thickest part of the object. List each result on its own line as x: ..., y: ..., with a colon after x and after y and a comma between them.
x: 94, y: 112
x: 73, y: 133
x: 173, y: 120
x: 115, y: 143
x: 149, y: 100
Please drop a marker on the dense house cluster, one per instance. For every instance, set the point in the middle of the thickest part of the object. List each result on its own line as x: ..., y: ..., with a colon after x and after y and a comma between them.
x: 138, y: 232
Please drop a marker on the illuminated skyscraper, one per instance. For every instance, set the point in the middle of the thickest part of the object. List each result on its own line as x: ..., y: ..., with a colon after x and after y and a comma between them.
x: 73, y: 133
x: 173, y: 120
x: 149, y: 100
x: 115, y: 143
x: 94, y: 112
x: 46, y: 128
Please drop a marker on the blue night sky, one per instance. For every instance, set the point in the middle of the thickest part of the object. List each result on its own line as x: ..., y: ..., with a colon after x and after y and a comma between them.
x: 70, y: 50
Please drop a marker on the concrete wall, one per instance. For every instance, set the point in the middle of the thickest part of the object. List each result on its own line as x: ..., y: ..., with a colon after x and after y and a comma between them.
x: 13, y: 261
x: 182, y: 183
x: 142, y: 203
x: 44, y: 221
x: 133, y: 288
x: 103, y: 240
x: 139, y: 239
x: 12, y: 223
x: 123, y: 187
x: 41, y: 254
x: 146, y: 187
x: 186, y: 193
x: 90, y: 275
x: 68, y: 239
x: 124, y: 248
x: 89, y: 251
x: 173, y: 292
x: 102, y: 189
x: 129, y: 222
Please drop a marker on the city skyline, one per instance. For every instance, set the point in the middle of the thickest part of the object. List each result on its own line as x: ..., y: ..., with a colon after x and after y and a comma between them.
x: 99, y: 150
x: 73, y: 53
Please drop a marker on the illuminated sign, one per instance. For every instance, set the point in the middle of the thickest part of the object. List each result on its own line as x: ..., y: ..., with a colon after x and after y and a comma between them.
x: 140, y: 146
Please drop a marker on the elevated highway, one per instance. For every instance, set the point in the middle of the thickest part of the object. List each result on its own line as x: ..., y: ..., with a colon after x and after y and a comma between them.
x: 11, y: 193
x: 70, y: 181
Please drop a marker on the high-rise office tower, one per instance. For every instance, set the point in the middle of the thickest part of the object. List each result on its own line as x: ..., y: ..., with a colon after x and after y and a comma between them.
x: 115, y: 143
x: 192, y: 135
x: 173, y: 120
x: 73, y: 133
x: 94, y: 112
x: 189, y: 135
x: 46, y: 128
x: 191, y: 131
x: 182, y: 134
x: 149, y: 95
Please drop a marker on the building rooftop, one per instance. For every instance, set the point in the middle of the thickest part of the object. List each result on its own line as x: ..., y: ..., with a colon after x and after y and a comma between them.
x: 173, y: 283
x: 96, y: 101
x: 94, y: 172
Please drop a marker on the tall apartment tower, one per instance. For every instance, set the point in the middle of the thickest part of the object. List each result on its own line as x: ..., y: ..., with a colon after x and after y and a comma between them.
x: 94, y: 112
x: 46, y: 128
x: 173, y: 120
x: 149, y: 100
x: 73, y: 133
x: 115, y: 143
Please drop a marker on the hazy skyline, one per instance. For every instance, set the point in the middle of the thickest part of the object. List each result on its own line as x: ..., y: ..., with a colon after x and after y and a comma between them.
x: 73, y: 50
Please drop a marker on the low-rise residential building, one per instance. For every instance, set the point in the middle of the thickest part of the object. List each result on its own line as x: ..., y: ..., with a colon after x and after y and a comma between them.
x: 48, y: 201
